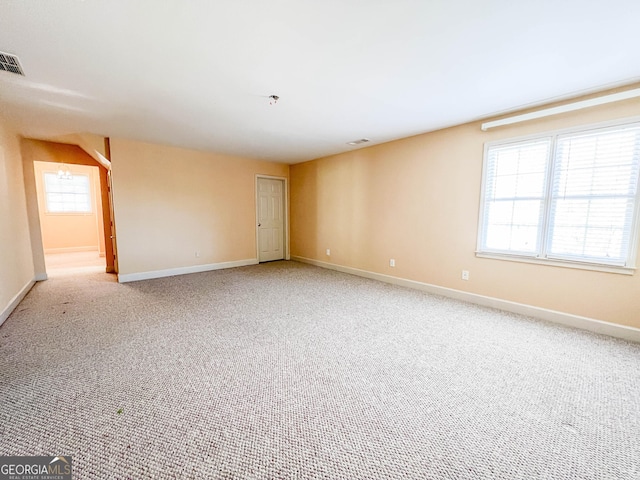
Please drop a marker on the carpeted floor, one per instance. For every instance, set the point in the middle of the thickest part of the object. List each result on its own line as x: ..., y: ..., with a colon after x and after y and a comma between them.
x: 287, y: 371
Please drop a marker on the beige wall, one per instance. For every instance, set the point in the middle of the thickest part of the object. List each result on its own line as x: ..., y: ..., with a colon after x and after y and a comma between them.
x: 16, y: 265
x: 89, y: 142
x: 170, y: 203
x: 69, y: 232
x: 417, y: 200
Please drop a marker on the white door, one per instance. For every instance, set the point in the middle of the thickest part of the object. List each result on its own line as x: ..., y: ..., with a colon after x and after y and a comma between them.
x: 270, y: 219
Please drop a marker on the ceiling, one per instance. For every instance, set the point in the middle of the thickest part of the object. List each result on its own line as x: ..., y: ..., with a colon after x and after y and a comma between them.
x: 198, y: 73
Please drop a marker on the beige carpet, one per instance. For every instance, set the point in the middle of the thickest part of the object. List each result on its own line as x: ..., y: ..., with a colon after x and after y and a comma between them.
x: 287, y: 371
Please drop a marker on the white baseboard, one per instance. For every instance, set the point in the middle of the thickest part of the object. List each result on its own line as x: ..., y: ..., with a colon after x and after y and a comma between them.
x: 584, y: 323
x: 15, y: 301
x: 53, y: 251
x: 134, y: 277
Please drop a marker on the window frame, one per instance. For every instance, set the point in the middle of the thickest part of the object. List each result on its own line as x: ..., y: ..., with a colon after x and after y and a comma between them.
x: 540, y: 257
x: 75, y: 212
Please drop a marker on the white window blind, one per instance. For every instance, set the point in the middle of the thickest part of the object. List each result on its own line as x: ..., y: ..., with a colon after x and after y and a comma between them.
x: 67, y: 195
x: 515, y: 179
x: 570, y: 197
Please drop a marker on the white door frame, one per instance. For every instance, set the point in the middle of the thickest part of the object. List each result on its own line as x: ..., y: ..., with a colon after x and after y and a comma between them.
x: 285, y: 199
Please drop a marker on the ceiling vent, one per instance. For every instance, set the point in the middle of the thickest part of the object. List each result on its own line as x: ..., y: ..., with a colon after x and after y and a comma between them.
x: 359, y: 142
x: 10, y: 63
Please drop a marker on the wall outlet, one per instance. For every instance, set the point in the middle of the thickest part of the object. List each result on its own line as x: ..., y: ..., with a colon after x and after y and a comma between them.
x: 392, y: 262
x: 197, y: 254
x: 465, y: 274
x: 328, y: 252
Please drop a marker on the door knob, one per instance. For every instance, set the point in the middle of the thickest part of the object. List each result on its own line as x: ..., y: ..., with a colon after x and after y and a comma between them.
x: 259, y: 224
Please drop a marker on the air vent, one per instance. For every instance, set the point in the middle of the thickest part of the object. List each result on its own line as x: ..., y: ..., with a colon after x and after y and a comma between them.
x: 10, y: 63
x: 359, y: 142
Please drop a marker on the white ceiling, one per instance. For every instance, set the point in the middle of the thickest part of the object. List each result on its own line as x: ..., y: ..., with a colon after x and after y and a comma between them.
x: 197, y: 73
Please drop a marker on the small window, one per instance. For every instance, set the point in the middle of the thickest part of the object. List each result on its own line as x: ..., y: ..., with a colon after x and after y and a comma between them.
x: 563, y: 198
x: 67, y: 193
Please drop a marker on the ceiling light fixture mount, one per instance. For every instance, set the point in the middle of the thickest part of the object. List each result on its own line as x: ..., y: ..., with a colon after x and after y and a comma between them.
x: 273, y: 99
x: 359, y: 142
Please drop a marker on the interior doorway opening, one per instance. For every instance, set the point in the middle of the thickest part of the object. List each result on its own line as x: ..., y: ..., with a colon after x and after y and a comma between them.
x: 71, y: 217
x: 67, y: 186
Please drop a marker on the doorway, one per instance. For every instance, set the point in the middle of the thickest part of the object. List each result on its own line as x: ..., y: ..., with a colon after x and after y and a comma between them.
x: 61, y: 158
x: 271, y: 216
x: 71, y: 217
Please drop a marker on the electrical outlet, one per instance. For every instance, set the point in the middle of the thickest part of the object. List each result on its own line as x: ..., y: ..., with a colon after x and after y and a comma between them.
x: 392, y: 262
x: 465, y: 274
x: 197, y: 254
x: 328, y: 252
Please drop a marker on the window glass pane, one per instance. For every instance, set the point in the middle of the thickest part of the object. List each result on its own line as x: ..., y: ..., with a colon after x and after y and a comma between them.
x: 516, y: 238
x: 521, y: 186
x: 513, y: 225
x: 500, y: 213
x: 498, y: 238
x: 515, y: 182
x: 593, y: 195
x: 523, y: 238
x: 67, y: 195
x: 55, y: 206
x: 54, y: 197
x: 592, y: 228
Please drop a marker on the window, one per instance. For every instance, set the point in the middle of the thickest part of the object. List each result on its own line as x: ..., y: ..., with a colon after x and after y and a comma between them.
x: 563, y: 198
x: 69, y: 194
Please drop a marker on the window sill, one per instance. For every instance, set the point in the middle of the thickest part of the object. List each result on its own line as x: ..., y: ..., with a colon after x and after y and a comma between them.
x: 70, y: 214
x: 559, y: 263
